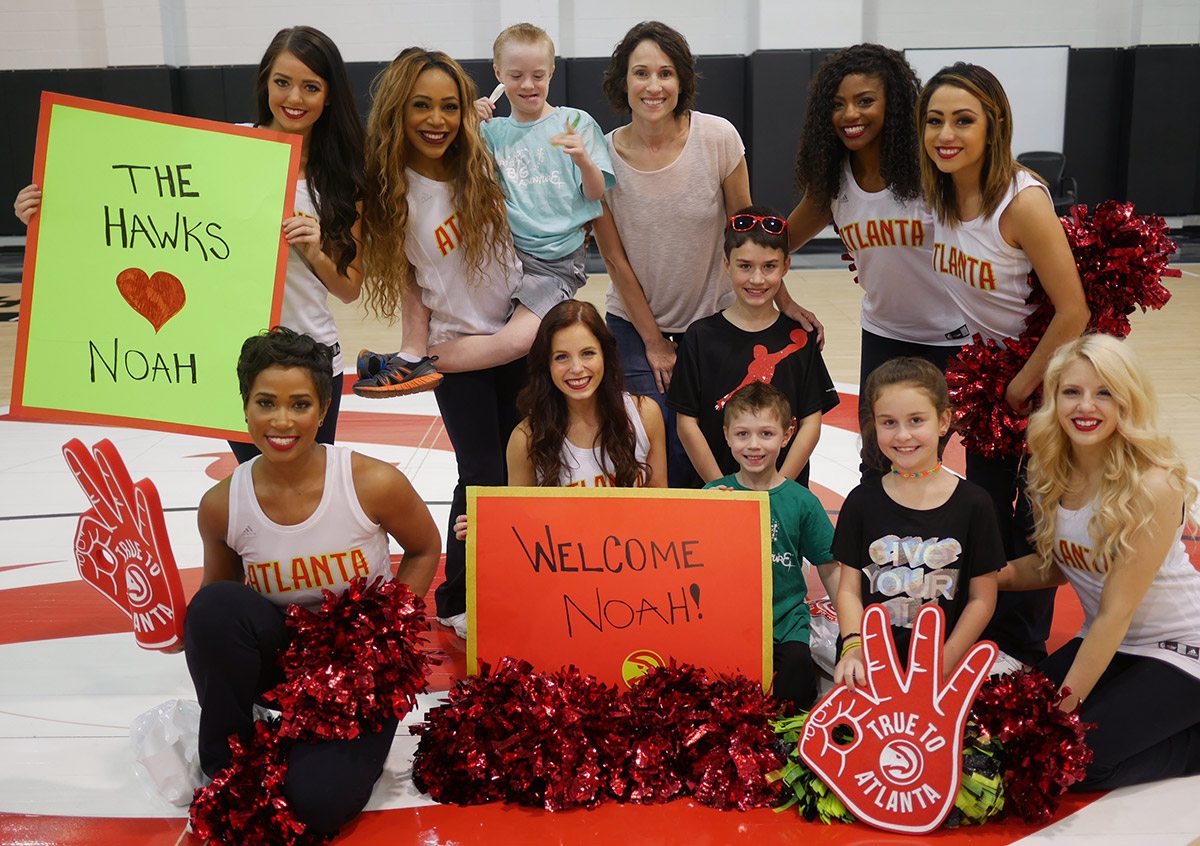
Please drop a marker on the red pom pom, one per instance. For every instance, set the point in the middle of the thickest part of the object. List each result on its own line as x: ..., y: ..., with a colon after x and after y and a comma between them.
x: 1121, y: 257
x: 1044, y: 747
x: 536, y: 739
x: 354, y: 663
x: 244, y: 805
x: 977, y: 377
x: 562, y: 740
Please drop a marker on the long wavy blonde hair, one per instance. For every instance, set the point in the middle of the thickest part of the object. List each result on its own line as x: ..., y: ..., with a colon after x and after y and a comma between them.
x: 1123, y: 505
x: 476, y: 195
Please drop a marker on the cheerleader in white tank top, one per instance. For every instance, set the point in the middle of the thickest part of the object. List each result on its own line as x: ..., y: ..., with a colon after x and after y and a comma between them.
x: 993, y: 223
x: 1112, y: 499
x: 581, y: 429
x: 301, y: 518
x: 857, y: 167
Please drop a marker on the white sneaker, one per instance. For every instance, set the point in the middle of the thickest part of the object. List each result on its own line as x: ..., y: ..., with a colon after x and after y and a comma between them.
x: 458, y: 622
x: 1005, y: 665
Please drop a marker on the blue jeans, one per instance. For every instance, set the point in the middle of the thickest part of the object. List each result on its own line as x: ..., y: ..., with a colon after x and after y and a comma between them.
x: 639, y: 379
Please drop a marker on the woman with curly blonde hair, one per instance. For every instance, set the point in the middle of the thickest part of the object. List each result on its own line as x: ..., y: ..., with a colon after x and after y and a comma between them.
x: 1111, y: 498
x: 437, y: 247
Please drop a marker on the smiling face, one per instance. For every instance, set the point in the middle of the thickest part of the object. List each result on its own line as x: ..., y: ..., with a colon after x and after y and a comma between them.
x: 576, y: 362
x: 1087, y: 411
x: 652, y: 82
x: 295, y: 94
x: 755, y: 438
x: 432, y: 118
x: 858, y: 111
x: 283, y: 412
x: 908, y: 427
x: 956, y: 131
x: 756, y: 272
x: 525, y: 68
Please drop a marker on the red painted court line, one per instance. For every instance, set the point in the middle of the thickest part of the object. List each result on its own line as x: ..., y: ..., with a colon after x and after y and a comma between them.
x: 680, y: 823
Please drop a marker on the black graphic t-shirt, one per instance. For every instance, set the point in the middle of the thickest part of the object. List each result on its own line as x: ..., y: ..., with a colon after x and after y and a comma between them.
x: 715, y: 358
x: 910, y: 558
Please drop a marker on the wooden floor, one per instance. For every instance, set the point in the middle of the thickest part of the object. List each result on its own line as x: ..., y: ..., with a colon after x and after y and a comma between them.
x: 1167, y: 341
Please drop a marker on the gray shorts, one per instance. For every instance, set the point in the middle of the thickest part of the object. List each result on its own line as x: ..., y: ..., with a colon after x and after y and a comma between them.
x: 545, y: 284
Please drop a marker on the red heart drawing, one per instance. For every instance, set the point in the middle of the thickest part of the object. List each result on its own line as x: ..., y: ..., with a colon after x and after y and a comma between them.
x: 157, y: 298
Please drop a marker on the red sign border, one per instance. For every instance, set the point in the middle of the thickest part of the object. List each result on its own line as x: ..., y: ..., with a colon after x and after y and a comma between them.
x: 17, y: 409
x: 475, y: 492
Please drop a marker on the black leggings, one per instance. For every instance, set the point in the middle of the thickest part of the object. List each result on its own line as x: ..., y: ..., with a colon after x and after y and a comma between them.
x: 876, y: 349
x: 479, y: 411
x: 244, y: 452
x: 795, y: 676
x: 1147, y: 716
x: 232, y: 638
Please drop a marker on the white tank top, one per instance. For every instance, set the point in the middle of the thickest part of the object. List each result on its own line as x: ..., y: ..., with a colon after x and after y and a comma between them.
x: 1166, y: 625
x: 290, y: 565
x: 462, y: 302
x: 986, y: 276
x: 892, y: 243
x: 582, y: 468
x: 305, y: 297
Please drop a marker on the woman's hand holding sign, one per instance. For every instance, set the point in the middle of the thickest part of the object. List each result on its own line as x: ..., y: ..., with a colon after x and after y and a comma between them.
x: 890, y: 748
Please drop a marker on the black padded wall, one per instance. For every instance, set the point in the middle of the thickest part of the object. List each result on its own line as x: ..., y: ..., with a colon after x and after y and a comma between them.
x: 1164, y: 129
x: 1132, y: 116
x: 777, y: 83
x: 1094, y: 143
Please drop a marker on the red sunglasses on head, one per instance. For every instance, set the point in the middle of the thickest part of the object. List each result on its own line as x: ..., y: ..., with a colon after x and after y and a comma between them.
x: 771, y: 224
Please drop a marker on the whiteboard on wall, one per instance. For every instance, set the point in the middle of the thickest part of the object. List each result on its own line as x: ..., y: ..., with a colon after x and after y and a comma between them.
x: 1034, y: 78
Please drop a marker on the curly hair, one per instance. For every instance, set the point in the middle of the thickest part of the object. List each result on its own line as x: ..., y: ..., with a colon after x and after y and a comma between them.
x: 547, y: 417
x: 285, y: 348
x: 671, y: 42
x: 335, y: 148
x: 999, y: 168
x: 910, y: 371
x: 819, y: 159
x: 476, y: 194
x: 1124, y: 505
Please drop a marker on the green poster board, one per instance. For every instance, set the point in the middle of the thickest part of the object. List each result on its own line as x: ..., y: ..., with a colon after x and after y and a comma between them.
x: 156, y: 252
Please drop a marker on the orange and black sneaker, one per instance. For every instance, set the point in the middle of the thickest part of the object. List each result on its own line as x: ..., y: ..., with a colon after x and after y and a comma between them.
x: 395, y: 377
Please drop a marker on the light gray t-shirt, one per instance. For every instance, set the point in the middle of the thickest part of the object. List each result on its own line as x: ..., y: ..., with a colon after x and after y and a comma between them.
x: 672, y: 224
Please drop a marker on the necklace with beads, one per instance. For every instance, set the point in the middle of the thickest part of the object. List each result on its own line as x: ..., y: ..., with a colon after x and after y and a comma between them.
x: 920, y: 474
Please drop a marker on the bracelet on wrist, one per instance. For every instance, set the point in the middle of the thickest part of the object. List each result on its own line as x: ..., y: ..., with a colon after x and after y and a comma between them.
x: 846, y: 647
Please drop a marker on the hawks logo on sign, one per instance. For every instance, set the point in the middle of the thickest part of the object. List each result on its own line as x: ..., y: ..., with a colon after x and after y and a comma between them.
x: 890, y: 749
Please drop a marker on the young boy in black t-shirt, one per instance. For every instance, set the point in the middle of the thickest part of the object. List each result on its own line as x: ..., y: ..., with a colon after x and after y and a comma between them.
x: 751, y: 341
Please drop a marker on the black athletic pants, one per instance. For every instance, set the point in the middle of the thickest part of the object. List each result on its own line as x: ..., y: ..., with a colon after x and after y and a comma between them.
x: 479, y: 411
x: 232, y: 639
x: 1147, y: 716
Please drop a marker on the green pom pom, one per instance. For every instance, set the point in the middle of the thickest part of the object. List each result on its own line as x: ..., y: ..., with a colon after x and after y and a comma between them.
x: 981, y: 792
x: 811, y: 797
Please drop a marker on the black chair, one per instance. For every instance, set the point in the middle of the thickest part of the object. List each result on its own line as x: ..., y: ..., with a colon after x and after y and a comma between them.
x: 1050, y: 166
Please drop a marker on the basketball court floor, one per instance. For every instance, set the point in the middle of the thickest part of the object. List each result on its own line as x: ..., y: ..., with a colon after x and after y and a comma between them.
x: 72, y: 679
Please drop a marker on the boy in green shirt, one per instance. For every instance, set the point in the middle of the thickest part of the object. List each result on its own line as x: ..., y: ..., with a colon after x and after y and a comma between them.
x: 758, y: 423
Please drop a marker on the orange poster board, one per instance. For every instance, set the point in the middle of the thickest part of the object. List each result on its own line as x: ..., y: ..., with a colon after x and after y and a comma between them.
x: 617, y: 580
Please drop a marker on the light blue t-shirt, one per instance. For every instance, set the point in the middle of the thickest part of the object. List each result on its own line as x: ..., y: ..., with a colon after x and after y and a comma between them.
x: 543, y: 188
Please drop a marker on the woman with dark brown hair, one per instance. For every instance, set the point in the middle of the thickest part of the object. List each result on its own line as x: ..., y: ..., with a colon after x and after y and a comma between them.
x: 680, y: 174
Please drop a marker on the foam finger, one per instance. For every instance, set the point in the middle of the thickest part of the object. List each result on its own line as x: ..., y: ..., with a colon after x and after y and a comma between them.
x: 87, y: 473
x: 925, y: 650
x: 962, y: 686
x: 116, y: 478
x: 879, y: 654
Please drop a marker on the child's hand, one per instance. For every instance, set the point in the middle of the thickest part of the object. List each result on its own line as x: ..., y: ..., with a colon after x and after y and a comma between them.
x: 850, y: 669
x: 720, y: 488
x: 29, y: 200
x: 485, y: 108
x: 571, y: 143
x: 303, y: 232
x: 460, y: 527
